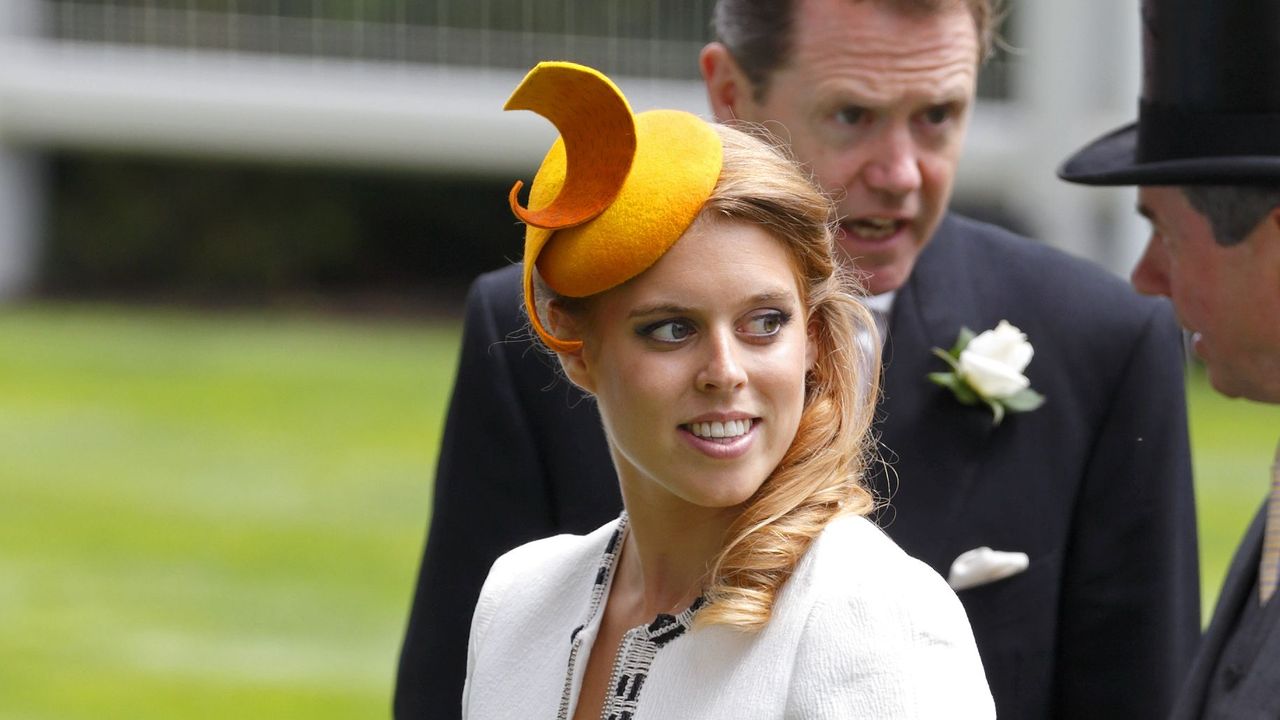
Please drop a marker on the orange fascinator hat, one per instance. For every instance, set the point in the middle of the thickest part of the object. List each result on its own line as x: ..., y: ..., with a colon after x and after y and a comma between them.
x: 615, y: 191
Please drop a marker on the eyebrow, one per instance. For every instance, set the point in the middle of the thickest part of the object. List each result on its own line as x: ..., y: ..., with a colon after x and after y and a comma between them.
x: 666, y: 308
x: 843, y: 98
x: 1145, y: 212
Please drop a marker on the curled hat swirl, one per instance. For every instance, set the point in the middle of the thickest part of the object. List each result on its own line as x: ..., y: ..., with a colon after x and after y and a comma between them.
x: 614, y: 192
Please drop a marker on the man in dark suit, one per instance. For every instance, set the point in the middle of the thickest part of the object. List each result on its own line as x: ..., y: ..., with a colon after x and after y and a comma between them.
x: 1206, y: 156
x: 1083, y: 611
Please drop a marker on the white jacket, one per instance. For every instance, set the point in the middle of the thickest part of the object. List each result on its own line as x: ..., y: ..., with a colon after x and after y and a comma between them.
x: 860, y: 630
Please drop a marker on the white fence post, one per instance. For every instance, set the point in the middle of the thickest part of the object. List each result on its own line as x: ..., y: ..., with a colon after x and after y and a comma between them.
x: 22, y: 192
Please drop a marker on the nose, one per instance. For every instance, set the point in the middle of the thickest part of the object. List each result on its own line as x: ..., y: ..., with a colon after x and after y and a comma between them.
x: 722, y: 368
x: 1151, y: 275
x: 893, y: 166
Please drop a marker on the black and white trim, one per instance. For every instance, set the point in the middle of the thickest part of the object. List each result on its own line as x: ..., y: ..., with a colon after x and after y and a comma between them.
x: 636, y: 651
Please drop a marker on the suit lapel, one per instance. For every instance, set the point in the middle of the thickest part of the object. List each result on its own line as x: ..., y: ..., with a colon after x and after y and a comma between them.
x: 933, y: 442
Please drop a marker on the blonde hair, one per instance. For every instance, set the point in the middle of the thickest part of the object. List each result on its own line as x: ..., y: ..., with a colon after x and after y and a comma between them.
x: 820, y: 475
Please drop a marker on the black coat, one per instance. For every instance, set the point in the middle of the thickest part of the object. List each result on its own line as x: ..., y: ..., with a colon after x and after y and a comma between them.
x: 1249, y: 677
x: 1095, y: 486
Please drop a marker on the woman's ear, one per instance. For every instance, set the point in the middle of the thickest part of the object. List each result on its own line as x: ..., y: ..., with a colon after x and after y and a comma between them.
x: 576, y: 368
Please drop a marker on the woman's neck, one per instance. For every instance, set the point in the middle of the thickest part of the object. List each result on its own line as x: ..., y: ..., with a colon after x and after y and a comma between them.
x: 668, y: 552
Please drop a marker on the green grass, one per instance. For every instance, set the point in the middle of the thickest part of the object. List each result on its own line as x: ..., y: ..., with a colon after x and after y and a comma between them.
x: 210, y: 516
x: 1232, y: 443
x: 213, y: 516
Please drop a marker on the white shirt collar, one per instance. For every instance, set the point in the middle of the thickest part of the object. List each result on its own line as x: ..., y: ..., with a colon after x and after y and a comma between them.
x: 881, y: 303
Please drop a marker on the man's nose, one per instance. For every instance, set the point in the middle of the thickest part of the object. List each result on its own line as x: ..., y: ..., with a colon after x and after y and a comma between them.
x: 722, y: 368
x: 894, y: 164
x: 1151, y: 275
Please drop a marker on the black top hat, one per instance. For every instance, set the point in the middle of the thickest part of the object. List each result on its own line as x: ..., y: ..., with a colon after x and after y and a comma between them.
x: 1210, y: 106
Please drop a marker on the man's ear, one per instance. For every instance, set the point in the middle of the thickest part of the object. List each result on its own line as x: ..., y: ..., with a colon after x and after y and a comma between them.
x: 728, y: 88
x: 1273, y: 218
x: 1268, y: 246
x: 575, y: 364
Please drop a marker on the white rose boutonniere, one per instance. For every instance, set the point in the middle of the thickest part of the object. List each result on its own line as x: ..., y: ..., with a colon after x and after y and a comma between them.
x: 987, y: 368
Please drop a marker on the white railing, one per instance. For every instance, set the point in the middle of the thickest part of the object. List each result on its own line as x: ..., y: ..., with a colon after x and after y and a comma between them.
x: 383, y: 40
x: 150, y: 79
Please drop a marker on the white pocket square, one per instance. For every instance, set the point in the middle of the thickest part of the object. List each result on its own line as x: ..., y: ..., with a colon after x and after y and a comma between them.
x: 983, y: 565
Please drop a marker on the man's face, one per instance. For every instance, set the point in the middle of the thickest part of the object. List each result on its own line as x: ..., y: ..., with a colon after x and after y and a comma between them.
x: 1228, y: 297
x: 876, y: 102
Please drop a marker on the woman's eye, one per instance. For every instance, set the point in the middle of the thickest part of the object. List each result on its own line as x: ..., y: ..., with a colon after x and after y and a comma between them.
x: 669, y: 331
x: 765, y: 324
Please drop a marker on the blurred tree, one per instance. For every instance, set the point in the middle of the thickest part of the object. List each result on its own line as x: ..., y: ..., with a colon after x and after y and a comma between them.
x: 138, y: 227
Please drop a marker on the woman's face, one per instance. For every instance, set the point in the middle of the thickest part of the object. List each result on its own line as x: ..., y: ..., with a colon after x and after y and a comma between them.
x: 698, y: 365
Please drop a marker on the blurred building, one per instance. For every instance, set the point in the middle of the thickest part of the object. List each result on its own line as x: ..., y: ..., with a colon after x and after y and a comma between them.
x: 396, y: 85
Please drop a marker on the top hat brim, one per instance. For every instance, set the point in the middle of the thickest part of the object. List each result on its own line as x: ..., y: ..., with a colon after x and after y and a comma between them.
x: 1113, y: 160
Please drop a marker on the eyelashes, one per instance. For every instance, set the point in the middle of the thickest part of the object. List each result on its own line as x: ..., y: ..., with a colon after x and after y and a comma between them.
x: 757, y: 327
x: 667, y: 331
x: 767, y: 324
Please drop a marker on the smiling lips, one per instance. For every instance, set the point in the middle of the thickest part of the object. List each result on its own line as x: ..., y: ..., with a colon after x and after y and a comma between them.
x: 721, y: 439
x: 727, y: 430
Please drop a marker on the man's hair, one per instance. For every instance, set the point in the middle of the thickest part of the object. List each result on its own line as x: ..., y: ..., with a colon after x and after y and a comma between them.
x: 758, y: 33
x: 1233, y: 210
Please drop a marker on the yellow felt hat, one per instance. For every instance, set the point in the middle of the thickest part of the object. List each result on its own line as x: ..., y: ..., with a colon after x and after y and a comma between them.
x: 615, y: 191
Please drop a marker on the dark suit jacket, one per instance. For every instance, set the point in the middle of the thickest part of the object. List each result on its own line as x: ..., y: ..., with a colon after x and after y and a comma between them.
x: 1254, y: 679
x: 1094, y: 486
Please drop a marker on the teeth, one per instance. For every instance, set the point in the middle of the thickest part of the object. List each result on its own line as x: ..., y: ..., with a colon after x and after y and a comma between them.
x: 874, y: 227
x: 728, y: 429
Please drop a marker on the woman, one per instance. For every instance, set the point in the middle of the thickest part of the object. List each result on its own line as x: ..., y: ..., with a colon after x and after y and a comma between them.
x: 685, y: 278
